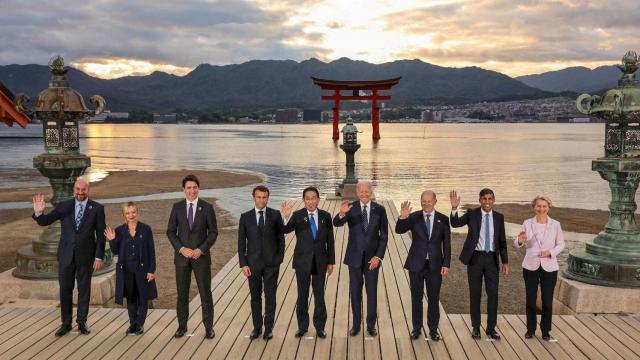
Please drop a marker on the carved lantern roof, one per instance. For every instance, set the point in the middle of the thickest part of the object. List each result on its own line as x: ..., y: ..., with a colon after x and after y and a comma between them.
x: 60, y: 96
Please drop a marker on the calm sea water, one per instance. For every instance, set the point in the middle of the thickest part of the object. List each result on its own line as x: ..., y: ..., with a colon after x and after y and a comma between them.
x: 517, y: 161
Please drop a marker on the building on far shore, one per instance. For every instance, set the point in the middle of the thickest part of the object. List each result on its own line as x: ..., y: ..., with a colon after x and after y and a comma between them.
x: 311, y: 115
x: 165, y: 118
x: 432, y: 115
x: 287, y: 115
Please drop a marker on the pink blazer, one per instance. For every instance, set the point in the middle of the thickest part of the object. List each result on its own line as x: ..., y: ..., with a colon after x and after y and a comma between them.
x: 553, y: 240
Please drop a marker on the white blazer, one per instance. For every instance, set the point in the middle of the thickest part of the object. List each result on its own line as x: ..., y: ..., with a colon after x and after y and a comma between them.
x: 552, y: 240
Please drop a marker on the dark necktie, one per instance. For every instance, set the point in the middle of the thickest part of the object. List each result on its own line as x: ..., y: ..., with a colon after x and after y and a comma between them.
x: 365, y: 219
x: 487, y: 234
x: 190, y: 216
x: 261, y: 220
x: 314, y: 227
x: 428, y: 223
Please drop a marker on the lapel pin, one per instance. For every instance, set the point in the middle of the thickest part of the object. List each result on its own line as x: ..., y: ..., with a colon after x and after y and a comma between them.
x: 199, y: 208
x: 305, y: 219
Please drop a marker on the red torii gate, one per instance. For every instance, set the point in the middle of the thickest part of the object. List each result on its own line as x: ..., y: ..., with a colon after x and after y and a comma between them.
x: 8, y: 111
x: 355, y: 86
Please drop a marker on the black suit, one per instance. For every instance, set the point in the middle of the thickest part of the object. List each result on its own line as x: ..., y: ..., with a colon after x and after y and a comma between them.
x: 202, y: 235
x: 482, y: 263
x: 310, y: 259
x: 361, y: 248
x: 77, y: 251
x: 423, y: 271
x: 261, y: 248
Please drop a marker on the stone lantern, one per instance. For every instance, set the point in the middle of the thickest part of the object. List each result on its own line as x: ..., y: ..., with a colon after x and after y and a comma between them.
x: 347, y: 189
x: 59, y: 108
x: 612, y: 258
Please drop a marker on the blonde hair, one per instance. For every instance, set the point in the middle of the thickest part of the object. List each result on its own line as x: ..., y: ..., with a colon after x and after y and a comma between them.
x: 128, y: 205
x: 541, y: 197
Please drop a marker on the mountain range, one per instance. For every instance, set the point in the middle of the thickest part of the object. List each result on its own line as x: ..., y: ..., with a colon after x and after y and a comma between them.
x: 287, y: 83
x: 578, y: 79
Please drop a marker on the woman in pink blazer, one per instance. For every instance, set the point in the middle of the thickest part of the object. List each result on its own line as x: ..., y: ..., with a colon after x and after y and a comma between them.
x: 544, y: 241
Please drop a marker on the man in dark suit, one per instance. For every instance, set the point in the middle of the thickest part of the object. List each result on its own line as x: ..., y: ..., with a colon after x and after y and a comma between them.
x: 313, y: 257
x: 80, y: 251
x: 368, y: 233
x: 485, y: 240
x: 192, y: 231
x: 428, y: 260
x: 260, y: 253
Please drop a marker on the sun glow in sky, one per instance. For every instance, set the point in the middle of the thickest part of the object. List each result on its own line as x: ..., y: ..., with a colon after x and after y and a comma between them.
x: 137, y: 37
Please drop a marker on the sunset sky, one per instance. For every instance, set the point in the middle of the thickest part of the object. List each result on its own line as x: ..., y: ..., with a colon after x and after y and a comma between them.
x: 114, y: 38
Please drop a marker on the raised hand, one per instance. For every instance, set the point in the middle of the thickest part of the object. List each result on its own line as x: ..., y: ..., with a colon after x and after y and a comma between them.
x: 405, y: 209
x: 345, y: 207
x: 109, y: 233
x: 455, y: 199
x: 522, y: 237
x: 285, y: 209
x: 38, y: 204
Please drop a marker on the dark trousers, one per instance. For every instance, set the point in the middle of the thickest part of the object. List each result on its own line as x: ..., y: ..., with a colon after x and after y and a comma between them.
x: 269, y: 277
x: 483, y: 264
x: 67, y: 277
x: 316, y: 279
x: 136, y: 307
x: 202, y: 272
x: 417, y: 281
x: 358, y: 277
x: 547, y: 282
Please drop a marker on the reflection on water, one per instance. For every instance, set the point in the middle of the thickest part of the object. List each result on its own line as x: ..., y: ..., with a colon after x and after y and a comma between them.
x: 518, y: 161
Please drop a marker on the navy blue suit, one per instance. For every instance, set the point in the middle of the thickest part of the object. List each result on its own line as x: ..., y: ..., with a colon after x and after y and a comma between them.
x: 310, y: 259
x: 77, y: 251
x: 136, y: 258
x: 422, y: 271
x: 362, y: 246
x: 482, y: 264
x: 262, y: 250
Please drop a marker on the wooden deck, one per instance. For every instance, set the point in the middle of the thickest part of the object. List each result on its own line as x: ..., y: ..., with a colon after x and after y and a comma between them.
x: 28, y: 332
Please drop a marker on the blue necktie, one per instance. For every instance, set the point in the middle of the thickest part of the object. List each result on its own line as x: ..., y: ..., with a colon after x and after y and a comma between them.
x: 487, y: 234
x: 79, y: 215
x: 365, y: 218
x: 314, y: 227
x: 190, y: 216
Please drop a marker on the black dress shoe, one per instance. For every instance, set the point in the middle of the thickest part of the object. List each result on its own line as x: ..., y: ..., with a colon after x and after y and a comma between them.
x: 415, y: 334
x: 180, y: 332
x: 64, y: 328
x: 372, y: 331
x: 255, y: 333
x: 475, y: 333
x: 300, y: 333
x: 528, y: 334
x: 322, y: 334
x: 493, y: 335
x: 547, y: 337
x: 131, y: 330
x: 268, y: 334
x: 354, y: 331
x: 83, y: 329
x: 210, y: 334
x: 139, y: 330
x: 433, y: 334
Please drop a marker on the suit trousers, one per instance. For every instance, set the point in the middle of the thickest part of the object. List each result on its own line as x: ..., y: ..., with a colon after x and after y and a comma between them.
x: 417, y: 281
x: 202, y: 272
x: 67, y: 277
x: 483, y: 264
x: 359, y: 276
x: 316, y: 279
x: 547, y: 282
x: 136, y: 307
x: 269, y: 277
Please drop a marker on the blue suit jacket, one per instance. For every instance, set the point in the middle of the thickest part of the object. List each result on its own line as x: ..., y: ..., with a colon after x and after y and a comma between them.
x: 85, y: 244
x: 322, y: 249
x: 371, y: 243
x: 438, y: 246
x: 473, y: 219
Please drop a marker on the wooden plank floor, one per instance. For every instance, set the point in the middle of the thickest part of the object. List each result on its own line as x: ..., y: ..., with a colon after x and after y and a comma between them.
x: 27, y: 333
